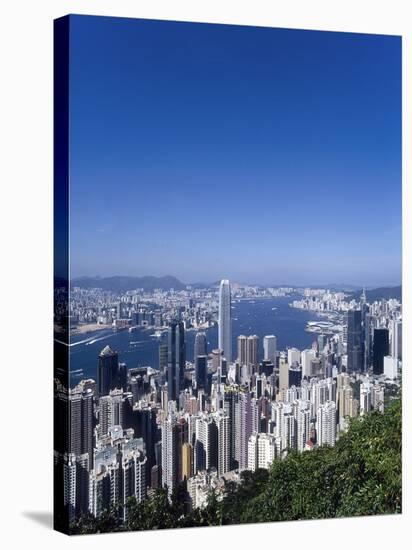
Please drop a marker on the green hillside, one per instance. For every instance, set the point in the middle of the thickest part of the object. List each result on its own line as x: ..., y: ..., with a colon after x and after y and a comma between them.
x: 360, y: 476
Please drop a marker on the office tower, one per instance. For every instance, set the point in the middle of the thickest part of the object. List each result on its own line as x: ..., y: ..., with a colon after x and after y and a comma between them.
x: 253, y: 350
x: 163, y: 350
x: 231, y: 398
x: 107, y: 373
x: 206, y: 445
x: 170, y: 453
x: 200, y: 347
x: 295, y: 375
x: 242, y: 349
x: 365, y: 398
x: 176, y: 360
x: 283, y: 374
x: 201, y: 372
x: 222, y: 422
x: 322, y: 341
x: 390, y: 367
x: 225, y: 320
x: 354, y: 344
x: 367, y: 334
x: 269, y: 348
x: 380, y: 348
x: 81, y: 422
x: 187, y: 461
x: 261, y: 451
x: 326, y: 424
x: 293, y: 356
x: 216, y: 359
x: 182, y: 438
x: 307, y: 356
x: 396, y: 339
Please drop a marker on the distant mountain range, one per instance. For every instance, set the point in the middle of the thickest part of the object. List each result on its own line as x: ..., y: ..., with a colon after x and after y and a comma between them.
x: 123, y: 283
x: 383, y: 293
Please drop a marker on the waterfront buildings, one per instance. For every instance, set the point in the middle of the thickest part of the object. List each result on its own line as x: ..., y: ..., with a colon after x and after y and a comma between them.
x: 194, y: 423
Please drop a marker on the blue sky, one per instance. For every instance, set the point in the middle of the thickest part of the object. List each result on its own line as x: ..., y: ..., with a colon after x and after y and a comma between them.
x: 213, y: 151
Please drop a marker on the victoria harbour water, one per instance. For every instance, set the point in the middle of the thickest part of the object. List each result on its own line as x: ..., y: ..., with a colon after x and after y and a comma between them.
x: 141, y: 348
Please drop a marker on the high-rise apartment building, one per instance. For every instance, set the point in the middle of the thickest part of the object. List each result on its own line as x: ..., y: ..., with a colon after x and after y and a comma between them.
x: 326, y: 424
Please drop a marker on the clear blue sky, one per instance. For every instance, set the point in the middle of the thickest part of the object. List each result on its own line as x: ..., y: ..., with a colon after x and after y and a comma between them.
x: 213, y: 151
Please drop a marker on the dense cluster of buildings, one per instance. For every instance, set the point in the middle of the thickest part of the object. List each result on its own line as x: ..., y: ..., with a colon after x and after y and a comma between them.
x: 239, y: 407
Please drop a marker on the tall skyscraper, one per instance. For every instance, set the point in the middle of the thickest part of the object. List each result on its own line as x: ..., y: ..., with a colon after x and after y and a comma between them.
x: 200, y: 345
x: 225, y: 320
x: 201, y: 372
x: 108, y: 371
x: 253, y: 350
x: 81, y: 422
x: 206, y: 446
x: 163, y: 358
x: 176, y: 359
x: 380, y: 348
x: 242, y: 349
x: 200, y: 351
x: 355, y: 344
x: 170, y: 453
x: 269, y: 348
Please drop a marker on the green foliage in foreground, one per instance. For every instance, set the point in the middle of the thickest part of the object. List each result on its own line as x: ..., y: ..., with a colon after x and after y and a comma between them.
x: 360, y: 476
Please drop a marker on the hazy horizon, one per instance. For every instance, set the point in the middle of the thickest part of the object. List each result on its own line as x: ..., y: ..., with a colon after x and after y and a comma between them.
x: 251, y: 283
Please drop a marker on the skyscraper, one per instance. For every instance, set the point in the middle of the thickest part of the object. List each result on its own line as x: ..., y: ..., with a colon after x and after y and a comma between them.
x: 200, y: 351
x: 242, y: 349
x: 269, y: 348
x: 201, y: 372
x: 107, y: 373
x: 200, y: 345
x: 253, y: 350
x: 380, y: 348
x: 163, y: 358
x: 176, y: 359
x: 170, y: 453
x: 225, y: 320
x: 355, y: 344
x: 81, y: 422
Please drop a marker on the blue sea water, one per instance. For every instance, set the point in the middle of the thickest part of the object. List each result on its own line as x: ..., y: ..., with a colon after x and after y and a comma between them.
x: 140, y: 348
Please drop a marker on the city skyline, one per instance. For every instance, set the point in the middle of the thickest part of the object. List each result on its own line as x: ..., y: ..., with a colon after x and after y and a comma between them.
x: 295, y: 160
